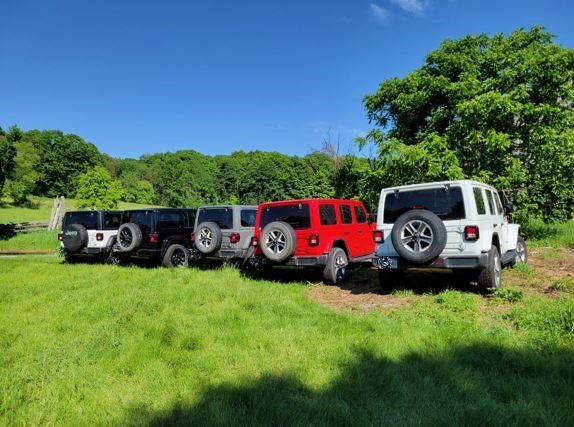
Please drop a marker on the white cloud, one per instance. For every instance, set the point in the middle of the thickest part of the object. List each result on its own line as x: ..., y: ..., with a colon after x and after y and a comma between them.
x: 379, y: 13
x: 416, y: 7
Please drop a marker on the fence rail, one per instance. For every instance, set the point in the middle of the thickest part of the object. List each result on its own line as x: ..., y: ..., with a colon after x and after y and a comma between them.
x: 27, y: 227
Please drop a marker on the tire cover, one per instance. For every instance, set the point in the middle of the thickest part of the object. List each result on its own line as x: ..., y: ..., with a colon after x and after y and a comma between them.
x: 278, y: 241
x: 207, y: 237
x: 129, y: 237
x: 419, y: 236
x: 75, y: 237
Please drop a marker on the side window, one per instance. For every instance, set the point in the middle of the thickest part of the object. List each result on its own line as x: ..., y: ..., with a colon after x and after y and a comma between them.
x: 188, y: 219
x: 360, y: 214
x: 498, y: 204
x: 170, y: 220
x: 490, y: 202
x: 112, y: 221
x: 479, y: 201
x: 345, y: 211
x: 327, y: 214
x: 248, y: 217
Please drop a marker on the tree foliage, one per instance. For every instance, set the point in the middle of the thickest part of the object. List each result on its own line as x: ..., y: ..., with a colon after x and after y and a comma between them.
x: 7, y: 154
x: 498, y: 109
x: 96, y: 189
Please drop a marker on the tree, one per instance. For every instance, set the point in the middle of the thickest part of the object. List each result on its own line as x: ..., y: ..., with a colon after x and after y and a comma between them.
x: 96, y: 189
x: 7, y: 153
x: 499, y: 109
x: 25, y: 175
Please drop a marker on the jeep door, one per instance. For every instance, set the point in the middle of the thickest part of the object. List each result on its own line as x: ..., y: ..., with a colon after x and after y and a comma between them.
x: 362, y: 237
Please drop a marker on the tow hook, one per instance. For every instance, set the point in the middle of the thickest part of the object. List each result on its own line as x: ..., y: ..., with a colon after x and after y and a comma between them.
x: 384, y: 263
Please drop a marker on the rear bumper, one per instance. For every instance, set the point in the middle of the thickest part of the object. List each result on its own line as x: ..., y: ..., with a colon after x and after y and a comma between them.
x: 475, y: 262
x: 140, y: 253
x: 89, y: 251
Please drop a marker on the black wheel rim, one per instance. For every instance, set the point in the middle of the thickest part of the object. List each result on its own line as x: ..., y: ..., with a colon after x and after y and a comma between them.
x: 125, y: 238
x: 178, y: 258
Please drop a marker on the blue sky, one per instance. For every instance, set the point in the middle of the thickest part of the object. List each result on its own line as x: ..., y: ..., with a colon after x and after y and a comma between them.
x: 136, y: 77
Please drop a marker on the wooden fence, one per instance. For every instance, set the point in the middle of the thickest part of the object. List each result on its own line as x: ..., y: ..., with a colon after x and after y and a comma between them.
x: 27, y: 227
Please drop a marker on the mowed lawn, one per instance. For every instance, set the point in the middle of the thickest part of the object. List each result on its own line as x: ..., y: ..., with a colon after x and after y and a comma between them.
x: 107, y: 345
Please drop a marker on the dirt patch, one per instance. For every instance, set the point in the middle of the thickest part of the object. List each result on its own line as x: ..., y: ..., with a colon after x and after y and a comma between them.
x: 363, y: 292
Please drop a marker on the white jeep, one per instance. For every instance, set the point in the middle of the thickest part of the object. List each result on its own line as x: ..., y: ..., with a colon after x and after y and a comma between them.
x: 89, y: 235
x: 460, y: 226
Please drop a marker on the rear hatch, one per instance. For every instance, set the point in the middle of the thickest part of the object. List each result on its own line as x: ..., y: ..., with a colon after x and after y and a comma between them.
x: 444, y: 201
x: 297, y: 215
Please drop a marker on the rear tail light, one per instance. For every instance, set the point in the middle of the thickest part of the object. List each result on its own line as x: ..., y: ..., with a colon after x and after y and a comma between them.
x: 99, y: 237
x: 313, y: 240
x: 378, y: 236
x: 60, y: 237
x: 152, y: 238
x: 234, y: 238
x: 254, y: 241
x: 192, y: 236
x: 471, y: 232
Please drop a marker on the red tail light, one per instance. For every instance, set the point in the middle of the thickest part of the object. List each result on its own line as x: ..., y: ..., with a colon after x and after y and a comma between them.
x: 471, y: 232
x: 60, y: 236
x: 99, y: 237
x: 192, y: 236
x: 313, y: 240
x: 234, y: 237
x: 152, y: 238
x: 254, y: 241
x: 378, y: 236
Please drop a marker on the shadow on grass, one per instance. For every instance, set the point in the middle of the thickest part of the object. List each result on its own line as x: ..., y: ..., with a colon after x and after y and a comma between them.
x: 472, y: 385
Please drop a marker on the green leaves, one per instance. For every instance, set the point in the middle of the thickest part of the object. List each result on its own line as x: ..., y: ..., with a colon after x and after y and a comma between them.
x: 494, y: 108
x: 97, y: 190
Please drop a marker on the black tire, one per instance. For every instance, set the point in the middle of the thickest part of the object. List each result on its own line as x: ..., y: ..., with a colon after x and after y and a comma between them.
x: 521, y: 254
x: 388, y: 279
x: 176, y: 256
x: 113, y: 258
x: 278, y: 241
x: 70, y: 259
x: 491, y: 276
x: 419, y: 236
x: 207, y: 237
x: 75, y: 237
x: 129, y: 237
x: 337, y: 267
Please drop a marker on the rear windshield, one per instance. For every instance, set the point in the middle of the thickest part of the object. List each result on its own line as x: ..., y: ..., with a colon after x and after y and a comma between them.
x: 447, y: 205
x: 142, y: 218
x: 223, y: 217
x: 295, y: 215
x: 88, y: 219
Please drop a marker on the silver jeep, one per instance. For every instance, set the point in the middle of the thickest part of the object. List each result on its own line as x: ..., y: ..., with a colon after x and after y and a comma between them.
x: 224, y: 231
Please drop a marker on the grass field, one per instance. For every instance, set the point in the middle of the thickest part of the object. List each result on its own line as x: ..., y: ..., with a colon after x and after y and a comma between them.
x: 104, y: 345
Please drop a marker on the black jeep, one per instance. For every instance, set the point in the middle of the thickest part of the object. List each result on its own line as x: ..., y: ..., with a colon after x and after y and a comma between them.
x: 160, y: 234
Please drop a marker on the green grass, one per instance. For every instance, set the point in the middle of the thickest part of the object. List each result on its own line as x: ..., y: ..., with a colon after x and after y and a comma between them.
x: 97, y: 344
x: 555, y: 235
x: 38, y: 240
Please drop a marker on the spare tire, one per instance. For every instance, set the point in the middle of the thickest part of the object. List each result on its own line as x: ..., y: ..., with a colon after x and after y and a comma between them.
x: 75, y: 237
x: 207, y: 237
x: 419, y: 236
x: 129, y: 237
x: 278, y: 241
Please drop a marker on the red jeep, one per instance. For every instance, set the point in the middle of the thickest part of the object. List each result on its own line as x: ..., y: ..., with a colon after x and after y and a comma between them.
x: 319, y: 233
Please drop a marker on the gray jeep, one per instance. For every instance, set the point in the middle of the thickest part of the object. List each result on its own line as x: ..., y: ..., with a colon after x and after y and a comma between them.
x: 223, y: 231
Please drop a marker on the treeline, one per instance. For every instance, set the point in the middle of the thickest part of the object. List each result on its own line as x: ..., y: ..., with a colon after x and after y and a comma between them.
x: 51, y: 163
x: 499, y: 109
